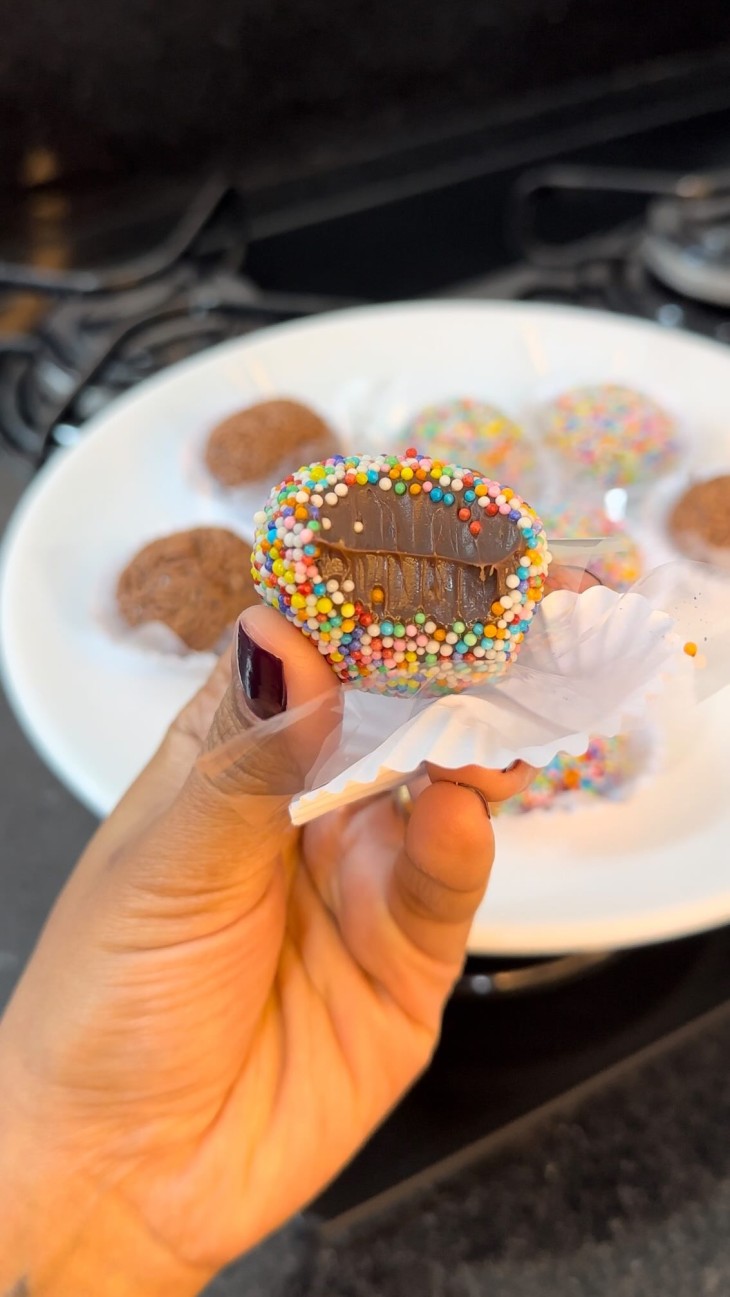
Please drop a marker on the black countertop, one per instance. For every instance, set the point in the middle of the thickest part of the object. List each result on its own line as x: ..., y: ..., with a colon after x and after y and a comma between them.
x: 619, y: 1189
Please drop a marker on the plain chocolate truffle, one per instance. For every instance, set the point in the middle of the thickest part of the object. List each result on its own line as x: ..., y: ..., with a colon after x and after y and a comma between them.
x: 268, y: 439
x: 196, y: 582
x: 700, y: 521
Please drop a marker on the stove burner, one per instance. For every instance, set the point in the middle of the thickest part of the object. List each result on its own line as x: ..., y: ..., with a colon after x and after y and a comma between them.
x: 670, y: 264
x: 113, y: 328
x: 687, y: 244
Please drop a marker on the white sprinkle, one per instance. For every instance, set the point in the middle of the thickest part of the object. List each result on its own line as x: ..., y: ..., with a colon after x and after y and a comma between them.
x: 512, y: 582
x: 430, y: 627
x: 317, y: 501
x: 506, y: 601
x: 326, y: 523
x: 385, y: 483
x: 373, y: 630
x: 548, y: 556
x: 445, y: 481
x: 347, y: 586
x: 452, y: 638
x: 433, y: 646
x: 478, y: 651
x: 332, y: 585
x: 483, y: 501
x: 524, y: 523
x: 358, y: 526
x: 456, y: 484
x: 301, y: 497
x: 259, y: 517
x: 341, y: 489
x: 446, y: 650
x: 500, y: 499
x: 337, y: 595
x: 331, y: 498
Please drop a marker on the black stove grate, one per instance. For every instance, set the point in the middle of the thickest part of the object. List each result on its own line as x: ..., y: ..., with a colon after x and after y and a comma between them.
x: 104, y: 331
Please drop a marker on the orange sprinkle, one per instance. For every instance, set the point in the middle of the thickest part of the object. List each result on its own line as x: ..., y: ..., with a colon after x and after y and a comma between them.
x: 690, y: 649
x: 301, y: 513
x: 415, y: 488
x: 571, y: 779
x: 497, y: 609
x: 439, y: 634
x: 377, y: 594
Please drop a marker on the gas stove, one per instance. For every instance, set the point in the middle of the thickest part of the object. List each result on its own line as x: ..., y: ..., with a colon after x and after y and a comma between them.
x: 623, y: 210
x: 97, y: 332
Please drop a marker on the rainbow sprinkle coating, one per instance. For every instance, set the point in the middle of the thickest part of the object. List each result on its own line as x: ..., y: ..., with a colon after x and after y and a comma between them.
x: 352, y: 628
x: 612, y: 433
x: 601, y: 772
x: 472, y: 432
x: 618, y: 568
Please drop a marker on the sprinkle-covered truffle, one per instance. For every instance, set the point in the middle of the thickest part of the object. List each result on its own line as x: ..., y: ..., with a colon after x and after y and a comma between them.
x: 472, y: 432
x: 611, y: 433
x: 700, y: 521
x: 617, y: 565
x: 602, y: 771
x: 405, y: 571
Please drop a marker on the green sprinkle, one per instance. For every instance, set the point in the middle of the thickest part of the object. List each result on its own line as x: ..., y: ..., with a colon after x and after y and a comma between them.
x: 458, y: 627
x: 419, y: 618
x: 400, y: 488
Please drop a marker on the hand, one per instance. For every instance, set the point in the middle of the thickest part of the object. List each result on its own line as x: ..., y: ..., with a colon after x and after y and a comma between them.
x: 220, y: 1010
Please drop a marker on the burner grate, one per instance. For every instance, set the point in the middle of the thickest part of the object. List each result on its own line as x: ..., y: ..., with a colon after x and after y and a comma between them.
x: 105, y: 331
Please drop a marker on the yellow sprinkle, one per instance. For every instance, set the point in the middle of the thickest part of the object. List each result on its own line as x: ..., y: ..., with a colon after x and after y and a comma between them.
x: 347, y: 609
x: 324, y: 605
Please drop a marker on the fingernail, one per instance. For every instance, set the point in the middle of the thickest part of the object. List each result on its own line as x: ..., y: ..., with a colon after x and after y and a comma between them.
x: 262, y: 677
x: 512, y: 766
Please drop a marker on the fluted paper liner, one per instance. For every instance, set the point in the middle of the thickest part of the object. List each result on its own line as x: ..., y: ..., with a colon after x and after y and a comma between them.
x: 592, y: 665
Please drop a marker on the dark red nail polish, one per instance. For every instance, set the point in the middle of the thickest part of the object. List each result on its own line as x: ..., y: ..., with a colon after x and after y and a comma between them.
x: 262, y: 677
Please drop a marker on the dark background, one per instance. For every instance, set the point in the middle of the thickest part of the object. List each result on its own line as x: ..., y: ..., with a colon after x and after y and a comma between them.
x: 123, y: 85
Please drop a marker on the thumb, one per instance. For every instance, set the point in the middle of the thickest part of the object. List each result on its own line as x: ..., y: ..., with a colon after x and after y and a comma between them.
x: 224, y: 833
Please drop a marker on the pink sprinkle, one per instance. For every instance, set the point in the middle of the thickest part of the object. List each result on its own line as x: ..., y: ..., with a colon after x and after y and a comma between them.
x: 306, y: 536
x: 428, y: 487
x: 399, y: 645
x: 411, y: 631
x: 493, y: 490
x: 504, y: 508
x: 289, y: 523
x: 421, y: 640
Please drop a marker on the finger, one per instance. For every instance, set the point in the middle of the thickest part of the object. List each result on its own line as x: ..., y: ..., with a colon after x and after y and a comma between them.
x: 225, y: 830
x: 441, y: 874
x: 495, y: 785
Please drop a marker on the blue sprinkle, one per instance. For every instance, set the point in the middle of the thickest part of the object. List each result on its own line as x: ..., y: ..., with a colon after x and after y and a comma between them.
x: 309, y: 550
x: 386, y: 627
x: 514, y: 515
x: 373, y: 475
x: 524, y: 626
x: 437, y: 494
x: 469, y: 496
x: 461, y: 647
x: 487, y: 643
x: 320, y: 587
x: 448, y: 497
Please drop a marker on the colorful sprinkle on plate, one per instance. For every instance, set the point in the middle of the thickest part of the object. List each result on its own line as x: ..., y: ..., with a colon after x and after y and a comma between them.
x: 612, y: 433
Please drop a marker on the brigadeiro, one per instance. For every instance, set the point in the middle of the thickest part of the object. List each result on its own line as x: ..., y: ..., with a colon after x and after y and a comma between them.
x: 700, y: 521
x: 615, y: 435
x: 472, y: 432
x: 405, y: 571
x: 196, y: 582
x: 266, y: 439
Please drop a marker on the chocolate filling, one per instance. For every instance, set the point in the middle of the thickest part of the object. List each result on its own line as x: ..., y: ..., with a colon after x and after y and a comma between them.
x: 413, y: 555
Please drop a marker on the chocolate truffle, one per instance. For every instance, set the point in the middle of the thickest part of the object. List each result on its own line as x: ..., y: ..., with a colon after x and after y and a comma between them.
x: 700, y: 521
x: 405, y: 571
x: 602, y: 772
x: 474, y: 433
x: 619, y: 563
x: 196, y: 582
x: 613, y: 434
x: 266, y: 439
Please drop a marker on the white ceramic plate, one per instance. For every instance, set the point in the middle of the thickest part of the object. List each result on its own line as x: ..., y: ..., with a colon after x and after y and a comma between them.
x: 96, y: 705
